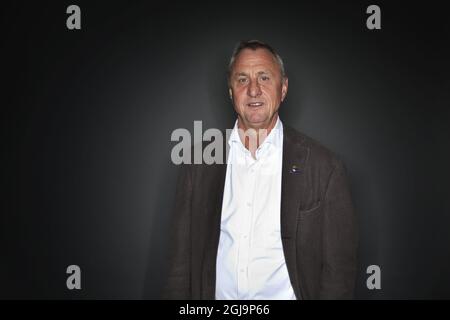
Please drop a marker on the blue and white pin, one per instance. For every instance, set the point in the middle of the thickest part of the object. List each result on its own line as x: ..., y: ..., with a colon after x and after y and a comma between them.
x: 295, y: 169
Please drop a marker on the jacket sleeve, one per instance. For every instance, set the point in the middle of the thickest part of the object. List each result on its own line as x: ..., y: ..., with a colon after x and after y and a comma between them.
x: 178, y: 283
x: 340, y: 238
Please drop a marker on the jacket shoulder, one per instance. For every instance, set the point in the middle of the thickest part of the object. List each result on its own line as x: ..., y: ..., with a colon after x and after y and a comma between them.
x: 317, y: 153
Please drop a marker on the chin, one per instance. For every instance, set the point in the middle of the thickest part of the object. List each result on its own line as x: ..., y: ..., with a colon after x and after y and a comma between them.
x: 255, y: 123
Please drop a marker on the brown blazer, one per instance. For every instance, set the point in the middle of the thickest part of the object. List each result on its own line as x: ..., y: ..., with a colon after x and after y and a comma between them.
x: 318, y: 225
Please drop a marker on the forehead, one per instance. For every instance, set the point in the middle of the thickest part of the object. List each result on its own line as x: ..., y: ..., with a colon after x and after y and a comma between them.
x: 259, y: 58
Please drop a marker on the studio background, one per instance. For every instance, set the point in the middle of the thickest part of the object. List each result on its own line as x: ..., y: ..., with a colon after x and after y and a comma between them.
x: 88, y: 115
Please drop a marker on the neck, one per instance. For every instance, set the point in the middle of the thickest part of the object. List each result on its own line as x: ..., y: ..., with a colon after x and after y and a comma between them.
x: 253, y: 137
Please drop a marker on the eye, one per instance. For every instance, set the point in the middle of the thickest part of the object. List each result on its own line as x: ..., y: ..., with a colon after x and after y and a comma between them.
x: 242, y: 80
x: 264, y: 78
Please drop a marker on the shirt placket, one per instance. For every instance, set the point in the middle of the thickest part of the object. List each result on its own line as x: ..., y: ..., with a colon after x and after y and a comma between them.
x: 245, y: 235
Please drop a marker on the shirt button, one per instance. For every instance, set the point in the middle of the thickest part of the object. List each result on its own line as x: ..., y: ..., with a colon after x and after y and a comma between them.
x: 249, y: 204
x: 242, y: 270
x: 245, y: 236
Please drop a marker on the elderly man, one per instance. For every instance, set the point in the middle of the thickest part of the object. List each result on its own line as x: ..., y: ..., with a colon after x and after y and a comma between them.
x: 276, y: 221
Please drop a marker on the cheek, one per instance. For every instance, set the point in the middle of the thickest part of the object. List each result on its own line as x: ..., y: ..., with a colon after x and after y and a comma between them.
x: 272, y: 95
x: 240, y: 97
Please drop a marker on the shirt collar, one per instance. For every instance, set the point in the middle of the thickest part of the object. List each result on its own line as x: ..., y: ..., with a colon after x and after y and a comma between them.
x: 274, y: 138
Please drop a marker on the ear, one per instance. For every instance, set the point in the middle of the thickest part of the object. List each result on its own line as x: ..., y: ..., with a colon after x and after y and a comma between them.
x: 284, y: 88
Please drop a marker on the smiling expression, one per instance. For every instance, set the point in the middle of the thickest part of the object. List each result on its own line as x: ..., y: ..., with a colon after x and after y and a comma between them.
x: 257, y: 88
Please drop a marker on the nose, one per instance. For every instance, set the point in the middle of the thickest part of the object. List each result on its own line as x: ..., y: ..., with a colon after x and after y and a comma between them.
x: 254, y: 89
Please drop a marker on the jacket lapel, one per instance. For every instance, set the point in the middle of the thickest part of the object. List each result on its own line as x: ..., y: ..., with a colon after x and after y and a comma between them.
x: 294, y: 160
x: 214, y: 186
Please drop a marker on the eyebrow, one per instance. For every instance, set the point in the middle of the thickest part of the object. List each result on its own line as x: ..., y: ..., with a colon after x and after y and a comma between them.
x: 238, y: 74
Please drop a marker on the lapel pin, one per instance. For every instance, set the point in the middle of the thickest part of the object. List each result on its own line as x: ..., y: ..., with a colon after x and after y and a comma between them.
x: 295, y: 169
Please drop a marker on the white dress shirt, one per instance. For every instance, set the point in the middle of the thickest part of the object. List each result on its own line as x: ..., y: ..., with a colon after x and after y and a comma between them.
x: 250, y: 258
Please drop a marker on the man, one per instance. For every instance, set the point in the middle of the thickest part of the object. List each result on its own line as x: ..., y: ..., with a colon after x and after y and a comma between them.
x: 276, y: 221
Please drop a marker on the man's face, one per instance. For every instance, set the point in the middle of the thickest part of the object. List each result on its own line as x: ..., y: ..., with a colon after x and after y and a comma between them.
x: 257, y: 88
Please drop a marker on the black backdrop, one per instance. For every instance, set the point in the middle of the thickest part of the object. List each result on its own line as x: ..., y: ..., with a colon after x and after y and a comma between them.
x: 88, y: 114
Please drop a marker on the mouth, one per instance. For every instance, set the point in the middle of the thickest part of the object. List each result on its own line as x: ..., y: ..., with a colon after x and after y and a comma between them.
x: 255, y: 104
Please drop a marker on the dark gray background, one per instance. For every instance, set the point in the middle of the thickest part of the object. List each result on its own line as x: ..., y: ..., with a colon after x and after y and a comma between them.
x: 88, y: 114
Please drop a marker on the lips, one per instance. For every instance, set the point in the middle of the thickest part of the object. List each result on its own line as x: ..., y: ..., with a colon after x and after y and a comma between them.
x: 255, y: 104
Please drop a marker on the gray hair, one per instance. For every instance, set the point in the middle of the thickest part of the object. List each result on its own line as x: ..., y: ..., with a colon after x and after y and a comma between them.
x: 253, y: 45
